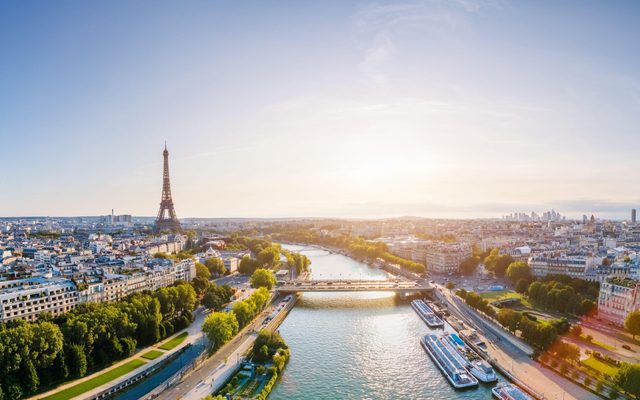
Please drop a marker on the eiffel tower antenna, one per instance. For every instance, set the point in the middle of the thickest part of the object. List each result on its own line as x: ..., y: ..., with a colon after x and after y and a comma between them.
x: 167, y: 220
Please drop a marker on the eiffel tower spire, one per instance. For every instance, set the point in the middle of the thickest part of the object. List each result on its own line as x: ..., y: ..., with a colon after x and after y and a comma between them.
x: 167, y: 220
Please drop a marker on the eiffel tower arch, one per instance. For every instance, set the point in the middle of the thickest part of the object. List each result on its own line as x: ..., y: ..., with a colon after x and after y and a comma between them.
x: 167, y: 220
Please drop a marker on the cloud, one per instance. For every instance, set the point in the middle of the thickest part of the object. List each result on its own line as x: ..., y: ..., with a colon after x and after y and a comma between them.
x: 379, y: 23
x: 374, y: 58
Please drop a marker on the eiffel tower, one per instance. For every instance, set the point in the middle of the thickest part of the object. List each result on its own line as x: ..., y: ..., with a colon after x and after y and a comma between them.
x: 167, y: 220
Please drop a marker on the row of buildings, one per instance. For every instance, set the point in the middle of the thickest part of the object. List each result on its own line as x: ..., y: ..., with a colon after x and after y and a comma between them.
x: 28, y: 297
x: 52, y: 266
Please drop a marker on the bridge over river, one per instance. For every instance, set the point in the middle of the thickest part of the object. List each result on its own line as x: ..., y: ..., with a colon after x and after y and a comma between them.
x: 400, y: 286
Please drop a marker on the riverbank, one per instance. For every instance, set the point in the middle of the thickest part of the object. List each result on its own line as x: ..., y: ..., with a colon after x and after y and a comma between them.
x: 211, y: 375
x: 258, y: 374
x: 124, y: 372
x: 511, y: 359
x: 360, y: 344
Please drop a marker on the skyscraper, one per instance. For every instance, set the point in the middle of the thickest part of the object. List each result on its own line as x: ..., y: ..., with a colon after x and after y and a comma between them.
x: 633, y: 215
x: 167, y: 220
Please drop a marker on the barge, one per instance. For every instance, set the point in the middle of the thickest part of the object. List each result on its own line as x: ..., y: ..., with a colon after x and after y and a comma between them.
x: 427, y: 314
x: 447, y: 363
x: 509, y: 391
x: 475, y: 364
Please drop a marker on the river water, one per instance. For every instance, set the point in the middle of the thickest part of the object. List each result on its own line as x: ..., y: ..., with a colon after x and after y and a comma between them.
x: 358, y: 345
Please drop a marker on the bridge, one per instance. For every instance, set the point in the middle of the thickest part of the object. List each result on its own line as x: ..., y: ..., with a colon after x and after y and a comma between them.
x: 399, y: 286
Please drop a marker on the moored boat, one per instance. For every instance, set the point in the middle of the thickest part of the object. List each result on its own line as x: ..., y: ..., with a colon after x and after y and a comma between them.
x: 447, y: 363
x: 477, y: 366
x: 509, y: 391
x: 427, y: 314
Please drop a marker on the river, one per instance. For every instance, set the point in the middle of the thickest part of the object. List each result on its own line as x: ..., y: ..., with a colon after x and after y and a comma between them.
x: 358, y: 345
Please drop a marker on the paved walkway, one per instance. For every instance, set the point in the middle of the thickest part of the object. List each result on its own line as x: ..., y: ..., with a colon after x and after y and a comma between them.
x: 214, y: 372
x: 541, y: 380
x: 194, y: 333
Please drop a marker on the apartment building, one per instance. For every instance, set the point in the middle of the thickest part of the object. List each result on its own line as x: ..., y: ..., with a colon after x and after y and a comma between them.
x: 618, y: 297
x: 445, y: 258
x: 573, y: 266
x: 26, y: 298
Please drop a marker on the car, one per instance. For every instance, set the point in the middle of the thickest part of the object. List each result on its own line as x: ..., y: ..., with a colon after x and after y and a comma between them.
x: 329, y: 283
x: 299, y: 284
x: 626, y: 346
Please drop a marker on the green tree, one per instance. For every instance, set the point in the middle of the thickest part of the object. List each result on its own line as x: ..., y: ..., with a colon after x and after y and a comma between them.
x: 263, y: 278
x: 632, y: 323
x: 247, y: 265
x: 202, y: 271
x: 215, y: 266
x: 268, y: 257
x: 200, y: 284
x: 244, y: 311
x: 468, y: 265
x: 518, y: 270
x: 220, y: 327
x: 522, y: 286
x: 628, y: 378
x: 77, y: 360
x: 587, y: 381
x: 450, y: 285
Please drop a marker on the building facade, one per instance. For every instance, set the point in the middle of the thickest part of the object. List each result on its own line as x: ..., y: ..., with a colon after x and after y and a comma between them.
x: 618, y: 297
x: 26, y: 298
x: 575, y: 266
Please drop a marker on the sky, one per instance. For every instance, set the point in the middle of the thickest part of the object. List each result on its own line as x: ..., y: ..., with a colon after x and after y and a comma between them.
x: 434, y: 108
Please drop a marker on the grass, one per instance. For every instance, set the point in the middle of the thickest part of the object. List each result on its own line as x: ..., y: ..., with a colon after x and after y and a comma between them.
x: 176, y: 340
x: 497, y: 295
x: 600, y: 366
x: 152, y: 354
x: 93, y: 383
x: 603, y: 345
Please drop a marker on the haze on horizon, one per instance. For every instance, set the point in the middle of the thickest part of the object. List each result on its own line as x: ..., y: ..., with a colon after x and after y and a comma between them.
x: 431, y: 108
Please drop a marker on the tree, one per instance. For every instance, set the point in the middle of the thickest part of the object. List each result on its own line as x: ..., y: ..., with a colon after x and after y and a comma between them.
x: 77, y: 360
x: 200, y: 284
x: 247, y: 265
x: 522, y: 286
x: 202, y: 271
x: 263, y: 278
x: 220, y: 327
x: 599, y: 386
x: 268, y: 257
x: 450, y: 285
x: 576, y: 330
x: 244, y: 311
x: 501, y: 264
x: 628, y: 378
x: 632, y: 323
x: 212, y: 301
x: 469, y: 265
x: 215, y: 266
x: 587, y: 381
x: 518, y: 270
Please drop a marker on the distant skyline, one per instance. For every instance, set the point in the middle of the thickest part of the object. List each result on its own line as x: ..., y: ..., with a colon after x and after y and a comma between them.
x: 432, y: 108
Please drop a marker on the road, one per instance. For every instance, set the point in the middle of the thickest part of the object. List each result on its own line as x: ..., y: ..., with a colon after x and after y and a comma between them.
x: 541, y: 380
x: 221, y: 365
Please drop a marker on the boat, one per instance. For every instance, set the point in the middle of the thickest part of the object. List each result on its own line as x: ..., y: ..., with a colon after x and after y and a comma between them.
x: 427, y: 314
x: 471, y: 336
x: 469, y: 359
x: 509, y: 391
x: 449, y: 366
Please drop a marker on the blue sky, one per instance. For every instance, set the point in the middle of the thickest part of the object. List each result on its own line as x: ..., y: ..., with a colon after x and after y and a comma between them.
x: 436, y: 108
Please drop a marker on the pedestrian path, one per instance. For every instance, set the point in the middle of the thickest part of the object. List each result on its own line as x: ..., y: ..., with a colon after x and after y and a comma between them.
x: 121, y: 371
